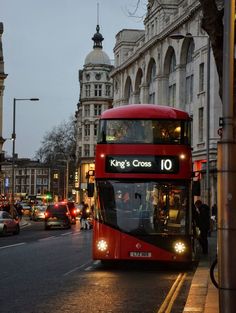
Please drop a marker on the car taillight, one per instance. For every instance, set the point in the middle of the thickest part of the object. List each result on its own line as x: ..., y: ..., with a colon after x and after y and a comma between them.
x: 74, y: 211
x: 46, y: 214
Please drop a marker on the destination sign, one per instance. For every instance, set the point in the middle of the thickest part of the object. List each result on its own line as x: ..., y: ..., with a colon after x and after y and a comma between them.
x: 142, y: 164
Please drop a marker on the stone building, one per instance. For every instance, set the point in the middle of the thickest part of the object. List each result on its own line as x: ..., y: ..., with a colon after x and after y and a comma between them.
x: 31, y: 178
x: 155, y: 65
x: 168, y: 62
x: 3, y: 76
x: 96, y: 94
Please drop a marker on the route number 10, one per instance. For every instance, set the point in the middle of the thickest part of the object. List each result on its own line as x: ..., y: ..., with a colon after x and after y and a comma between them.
x: 166, y: 165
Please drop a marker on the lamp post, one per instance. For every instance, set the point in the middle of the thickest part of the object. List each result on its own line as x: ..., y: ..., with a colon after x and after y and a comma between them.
x: 178, y: 37
x: 13, y: 147
x: 226, y: 175
x: 67, y: 180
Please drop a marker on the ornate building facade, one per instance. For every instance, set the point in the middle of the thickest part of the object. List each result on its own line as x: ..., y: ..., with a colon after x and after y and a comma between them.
x: 96, y: 94
x: 170, y: 63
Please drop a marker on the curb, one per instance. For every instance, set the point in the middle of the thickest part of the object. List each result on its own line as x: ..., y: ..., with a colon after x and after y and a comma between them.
x: 203, y: 296
x: 198, y: 290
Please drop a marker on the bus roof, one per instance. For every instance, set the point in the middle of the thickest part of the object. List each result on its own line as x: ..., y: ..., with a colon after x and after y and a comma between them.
x: 144, y: 111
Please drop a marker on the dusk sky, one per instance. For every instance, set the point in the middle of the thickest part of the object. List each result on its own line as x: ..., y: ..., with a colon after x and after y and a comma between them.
x: 45, y: 43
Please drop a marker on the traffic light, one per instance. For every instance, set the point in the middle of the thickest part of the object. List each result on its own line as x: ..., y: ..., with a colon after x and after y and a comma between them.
x: 90, y: 189
x: 48, y: 196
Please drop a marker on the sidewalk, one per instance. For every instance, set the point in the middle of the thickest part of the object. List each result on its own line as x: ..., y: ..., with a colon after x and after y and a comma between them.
x: 203, y: 295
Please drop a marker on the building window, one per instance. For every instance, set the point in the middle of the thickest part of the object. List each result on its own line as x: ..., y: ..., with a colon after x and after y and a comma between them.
x: 190, y: 52
x: 98, y: 90
x: 108, y: 90
x: 97, y: 109
x: 172, y: 81
x: 86, y: 150
x: 39, y: 181
x: 200, y: 125
x: 189, y: 74
x: 201, y: 77
x: 95, y: 129
x: 152, y: 84
x: 80, y: 133
x: 80, y: 151
x: 189, y: 89
x: 172, y: 63
x: 87, y: 90
x: 87, y: 110
x: 172, y: 95
x: 86, y: 130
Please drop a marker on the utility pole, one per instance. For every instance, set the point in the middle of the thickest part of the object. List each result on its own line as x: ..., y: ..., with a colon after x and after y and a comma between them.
x: 226, y: 198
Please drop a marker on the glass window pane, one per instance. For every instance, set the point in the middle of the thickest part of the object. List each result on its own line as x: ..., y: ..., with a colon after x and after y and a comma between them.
x: 143, y: 207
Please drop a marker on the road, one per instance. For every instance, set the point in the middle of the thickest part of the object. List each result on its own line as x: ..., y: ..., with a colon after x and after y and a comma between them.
x: 53, y: 271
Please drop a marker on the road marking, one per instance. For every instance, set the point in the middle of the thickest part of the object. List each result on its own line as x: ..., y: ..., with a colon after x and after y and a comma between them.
x: 15, y: 245
x: 172, y: 294
x: 76, y: 269
x: 66, y: 234
x: 47, y: 238
x: 92, y: 266
x: 96, y: 262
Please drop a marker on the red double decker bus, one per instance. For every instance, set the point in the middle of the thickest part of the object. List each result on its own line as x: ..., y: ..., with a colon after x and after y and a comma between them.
x: 143, y: 179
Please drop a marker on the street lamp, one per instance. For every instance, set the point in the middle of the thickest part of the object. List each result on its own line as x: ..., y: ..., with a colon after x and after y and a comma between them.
x: 14, y: 145
x: 178, y: 37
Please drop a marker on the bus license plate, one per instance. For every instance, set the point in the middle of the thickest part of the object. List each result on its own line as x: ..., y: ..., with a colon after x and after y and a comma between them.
x: 140, y: 254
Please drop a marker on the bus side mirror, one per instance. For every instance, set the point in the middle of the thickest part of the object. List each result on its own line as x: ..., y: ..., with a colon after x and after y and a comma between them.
x: 196, y: 188
x: 90, y: 189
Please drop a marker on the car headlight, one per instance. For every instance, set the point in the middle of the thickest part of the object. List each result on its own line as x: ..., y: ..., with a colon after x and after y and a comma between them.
x: 179, y: 247
x: 102, y: 245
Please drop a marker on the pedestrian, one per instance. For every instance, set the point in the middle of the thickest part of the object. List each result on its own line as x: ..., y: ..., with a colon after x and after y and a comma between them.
x: 203, y: 212
x: 19, y: 210
x: 84, y: 216
x: 214, y: 212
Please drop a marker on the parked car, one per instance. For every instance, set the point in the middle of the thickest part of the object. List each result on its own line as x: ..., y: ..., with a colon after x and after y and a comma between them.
x: 8, y: 224
x: 38, y: 212
x: 57, y: 215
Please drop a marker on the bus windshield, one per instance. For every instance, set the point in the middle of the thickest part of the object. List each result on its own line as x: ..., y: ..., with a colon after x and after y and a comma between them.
x: 143, y: 207
x: 144, y: 131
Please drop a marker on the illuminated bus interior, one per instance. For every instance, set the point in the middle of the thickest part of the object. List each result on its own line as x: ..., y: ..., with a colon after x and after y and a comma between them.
x: 143, y: 208
x: 144, y: 131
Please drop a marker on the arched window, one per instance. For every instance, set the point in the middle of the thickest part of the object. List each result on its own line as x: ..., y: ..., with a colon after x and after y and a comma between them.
x: 172, y: 63
x: 172, y: 80
x: 138, y: 82
x: 189, y: 73
x: 128, y: 90
x: 151, y: 94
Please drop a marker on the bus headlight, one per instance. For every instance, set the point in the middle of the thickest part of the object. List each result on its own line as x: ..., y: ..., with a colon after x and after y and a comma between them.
x: 179, y: 247
x: 102, y: 245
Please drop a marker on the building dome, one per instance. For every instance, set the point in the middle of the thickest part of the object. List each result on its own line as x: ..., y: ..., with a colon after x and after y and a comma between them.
x: 97, y: 56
